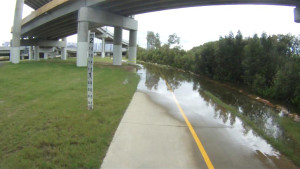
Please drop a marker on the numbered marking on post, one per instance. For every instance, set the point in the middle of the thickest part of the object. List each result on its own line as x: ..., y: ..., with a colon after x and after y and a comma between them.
x: 90, y: 71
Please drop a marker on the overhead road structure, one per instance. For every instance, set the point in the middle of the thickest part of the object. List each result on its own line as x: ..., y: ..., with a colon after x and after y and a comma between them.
x: 5, y: 52
x: 107, y: 37
x: 57, y: 19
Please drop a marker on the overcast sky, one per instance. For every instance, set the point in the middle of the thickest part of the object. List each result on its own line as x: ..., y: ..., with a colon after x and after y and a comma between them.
x: 194, y: 26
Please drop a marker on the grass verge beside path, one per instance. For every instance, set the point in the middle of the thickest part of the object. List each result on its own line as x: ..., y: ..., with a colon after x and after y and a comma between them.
x: 290, y: 127
x: 44, y: 122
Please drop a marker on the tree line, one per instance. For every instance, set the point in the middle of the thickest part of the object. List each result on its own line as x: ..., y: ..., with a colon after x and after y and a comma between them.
x: 268, y: 65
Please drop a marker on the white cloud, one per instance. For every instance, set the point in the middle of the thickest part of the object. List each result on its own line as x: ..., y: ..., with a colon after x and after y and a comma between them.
x: 198, y: 25
x: 7, y: 11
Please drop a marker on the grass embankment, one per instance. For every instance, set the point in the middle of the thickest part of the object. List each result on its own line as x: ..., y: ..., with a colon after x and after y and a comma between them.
x: 100, y: 59
x: 44, y: 122
x: 96, y: 59
x: 290, y: 127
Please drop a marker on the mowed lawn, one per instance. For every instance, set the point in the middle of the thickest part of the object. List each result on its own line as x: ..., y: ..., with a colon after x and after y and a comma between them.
x: 44, y: 121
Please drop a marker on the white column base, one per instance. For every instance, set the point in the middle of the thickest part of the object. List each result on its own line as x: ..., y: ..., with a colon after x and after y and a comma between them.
x: 82, y: 53
x: 45, y: 56
x: 64, y: 54
x: 103, y: 54
x: 132, y: 55
x: 15, y: 55
x: 37, y: 53
x: 117, y: 55
x: 30, y: 56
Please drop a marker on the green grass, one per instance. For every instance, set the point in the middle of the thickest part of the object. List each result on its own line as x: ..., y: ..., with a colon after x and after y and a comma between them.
x: 100, y: 59
x: 290, y: 127
x: 44, y: 122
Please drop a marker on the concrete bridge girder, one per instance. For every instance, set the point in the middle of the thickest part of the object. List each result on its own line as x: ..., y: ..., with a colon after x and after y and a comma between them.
x: 89, y: 15
x: 51, y: 14
x: 46, y: 47
x: 107, y: 37
x: 44, y: 50
x: 44, y: 43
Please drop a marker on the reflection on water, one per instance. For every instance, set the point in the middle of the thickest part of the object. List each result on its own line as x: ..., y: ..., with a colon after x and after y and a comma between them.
x: 189, y: 92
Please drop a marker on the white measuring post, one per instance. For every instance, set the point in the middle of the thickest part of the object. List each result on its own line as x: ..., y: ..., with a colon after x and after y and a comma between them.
x: 90, y: 73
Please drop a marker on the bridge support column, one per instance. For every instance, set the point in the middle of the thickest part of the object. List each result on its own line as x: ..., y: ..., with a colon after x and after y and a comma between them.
x: 36, y: 53
x: 297, y: 14
x: 64, y: 54
x: 82, y: 44
x: 15, y: 48
x: 30, y: 54
x: 45, y: 55
x: 103, y: 48
x: 117, y: 53
x: 132, y: 47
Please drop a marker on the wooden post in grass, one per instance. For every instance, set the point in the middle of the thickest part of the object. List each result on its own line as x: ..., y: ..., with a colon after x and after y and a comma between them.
x: 90, y: 68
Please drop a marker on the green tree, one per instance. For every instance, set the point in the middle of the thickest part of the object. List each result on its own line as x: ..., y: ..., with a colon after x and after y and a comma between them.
x: 153, y: 40
x: 268, y: 65
x: 173, y: 39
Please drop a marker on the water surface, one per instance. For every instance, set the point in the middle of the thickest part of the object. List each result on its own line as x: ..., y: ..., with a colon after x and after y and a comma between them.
x: 204, y: 112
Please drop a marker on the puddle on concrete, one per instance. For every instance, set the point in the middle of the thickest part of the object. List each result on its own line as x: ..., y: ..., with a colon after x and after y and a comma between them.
x: 204, y: 112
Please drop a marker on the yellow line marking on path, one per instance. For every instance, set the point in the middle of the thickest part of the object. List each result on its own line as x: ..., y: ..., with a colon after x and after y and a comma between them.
x: 196, y: 138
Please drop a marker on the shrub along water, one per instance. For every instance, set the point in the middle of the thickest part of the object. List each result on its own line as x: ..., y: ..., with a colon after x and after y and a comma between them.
x: 268, y: 65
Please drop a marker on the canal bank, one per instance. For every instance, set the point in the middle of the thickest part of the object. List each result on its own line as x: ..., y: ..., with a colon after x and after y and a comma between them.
x: 228, y: 141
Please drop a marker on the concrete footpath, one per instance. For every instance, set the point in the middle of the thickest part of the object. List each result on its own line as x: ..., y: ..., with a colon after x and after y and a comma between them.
x: 148, y: 137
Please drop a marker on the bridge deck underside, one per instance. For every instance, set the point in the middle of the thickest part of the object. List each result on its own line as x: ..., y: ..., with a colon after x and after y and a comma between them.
x: 133, y: 7
x: 67, y: 24
x: 35, y: 4
x: 56, y: 29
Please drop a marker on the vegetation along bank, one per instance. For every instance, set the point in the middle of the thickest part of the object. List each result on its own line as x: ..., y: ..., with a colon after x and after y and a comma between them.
x: 268, y: 65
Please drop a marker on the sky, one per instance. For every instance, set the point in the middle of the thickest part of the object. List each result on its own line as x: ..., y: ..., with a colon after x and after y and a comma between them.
x: 194, y: 26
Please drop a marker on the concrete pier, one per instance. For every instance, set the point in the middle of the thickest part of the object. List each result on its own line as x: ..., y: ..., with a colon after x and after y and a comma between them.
x: 30, y: 54
x: 64, y: 54
x: 117, y: 53
x: 15, y: 48
x: 45, y: 55
x: 132, y: 47
x: 36, y: 53
x: 82, y: 44
x: 103, y: 48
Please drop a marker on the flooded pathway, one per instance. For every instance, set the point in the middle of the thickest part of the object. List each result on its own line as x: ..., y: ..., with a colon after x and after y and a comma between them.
x: 228, y: 141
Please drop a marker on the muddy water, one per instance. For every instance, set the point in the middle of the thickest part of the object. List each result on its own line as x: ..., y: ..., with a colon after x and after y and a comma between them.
x: 205, y: 113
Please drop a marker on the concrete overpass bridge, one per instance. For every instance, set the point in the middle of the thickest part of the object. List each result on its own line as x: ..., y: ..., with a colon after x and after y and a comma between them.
x: 107, y: 37
x: 56, y: 19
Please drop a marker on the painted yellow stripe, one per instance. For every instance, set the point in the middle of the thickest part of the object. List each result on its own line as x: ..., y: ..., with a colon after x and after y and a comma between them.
x: 196, y: 138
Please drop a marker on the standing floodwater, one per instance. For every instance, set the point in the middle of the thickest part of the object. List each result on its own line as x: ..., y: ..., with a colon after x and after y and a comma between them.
x: 202, y: 111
